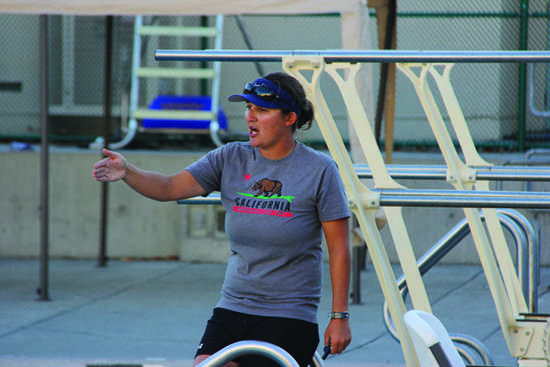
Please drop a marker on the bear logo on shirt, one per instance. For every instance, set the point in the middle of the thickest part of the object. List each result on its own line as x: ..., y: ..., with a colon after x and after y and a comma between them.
x: 268, y: 187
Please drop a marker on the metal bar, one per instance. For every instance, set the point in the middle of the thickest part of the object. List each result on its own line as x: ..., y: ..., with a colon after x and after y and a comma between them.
x: 522, y: 100
x: 104, y: 202
x: 175, y: 73
x: 248, y: 43
x: 238, y: 349
x: 174, y: 31
x: 436, y: 198
x: 173, y: 114
x: 531, y: 93
x: 533, y: 256
x: 356, y: 275
x: 463, y: 198
x: 436, y: 172
x: 453, y: 14
x: 44, y: 161
x: 353, y: 56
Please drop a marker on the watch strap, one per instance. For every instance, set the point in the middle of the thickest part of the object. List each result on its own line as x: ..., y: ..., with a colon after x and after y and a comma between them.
x: 339, y: 315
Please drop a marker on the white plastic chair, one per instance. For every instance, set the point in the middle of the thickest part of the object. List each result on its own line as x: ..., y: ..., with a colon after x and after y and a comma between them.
x: 432, y: 343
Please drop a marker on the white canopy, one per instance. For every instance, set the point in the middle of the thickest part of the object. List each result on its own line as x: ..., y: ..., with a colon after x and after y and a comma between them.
x: 352, y: 11
x: 171, y: 7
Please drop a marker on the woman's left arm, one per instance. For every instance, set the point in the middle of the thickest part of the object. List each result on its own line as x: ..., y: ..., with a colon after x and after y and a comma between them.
x: 338, y: 332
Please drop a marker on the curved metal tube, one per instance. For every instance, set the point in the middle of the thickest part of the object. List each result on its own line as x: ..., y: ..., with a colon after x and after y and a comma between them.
x: 317, y: 361
x: 532, y: 262
x: 531, y: 92
x: 535, y: 152
x: 457, y: 234
x: 241, y: 348
x: 465, y: 355
x: 477, y: 345
x: 527, y: 257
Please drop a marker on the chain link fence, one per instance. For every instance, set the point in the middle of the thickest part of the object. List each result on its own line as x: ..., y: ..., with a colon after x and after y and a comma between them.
x: 492, y: 97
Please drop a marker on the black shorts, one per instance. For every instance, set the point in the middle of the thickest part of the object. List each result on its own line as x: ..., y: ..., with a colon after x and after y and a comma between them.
x: 299, y: 338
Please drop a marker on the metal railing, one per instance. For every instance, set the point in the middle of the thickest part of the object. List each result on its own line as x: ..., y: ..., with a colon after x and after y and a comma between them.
x: 527, y: 252
x: 440, y: 172
x: 433, y: 198
x: 342, y: 66
x: 356, y: 56
x: 248, y: 347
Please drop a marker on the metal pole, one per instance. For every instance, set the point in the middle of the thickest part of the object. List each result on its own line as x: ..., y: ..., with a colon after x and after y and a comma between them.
x: 463, y: 199
x: 524, y: 28
x: 248, y: 43
x: 434, y: 198
x: 351, y: 56
x: 246, y: 347
x: 102, y: 257
x: 433, y: 172
x: 44, y: 160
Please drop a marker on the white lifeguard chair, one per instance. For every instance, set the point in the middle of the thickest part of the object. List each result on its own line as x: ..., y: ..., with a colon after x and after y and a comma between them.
x: 431, y: 341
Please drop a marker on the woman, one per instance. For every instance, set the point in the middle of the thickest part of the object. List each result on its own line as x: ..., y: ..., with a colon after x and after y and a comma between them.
x: 280, y: 197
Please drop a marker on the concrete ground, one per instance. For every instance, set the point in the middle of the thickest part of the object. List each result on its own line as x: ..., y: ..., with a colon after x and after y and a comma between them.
x: 153, y: 313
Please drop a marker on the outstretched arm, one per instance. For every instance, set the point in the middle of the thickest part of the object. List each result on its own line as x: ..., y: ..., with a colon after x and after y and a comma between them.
x: 338, y: 332
x: 154, y: 185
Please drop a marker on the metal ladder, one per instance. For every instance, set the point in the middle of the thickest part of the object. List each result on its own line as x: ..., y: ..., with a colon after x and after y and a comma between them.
x: 137, y: 113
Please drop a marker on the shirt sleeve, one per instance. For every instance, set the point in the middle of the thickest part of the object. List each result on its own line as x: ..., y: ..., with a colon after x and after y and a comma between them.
x: 332, y: 202
x: 208, y: 169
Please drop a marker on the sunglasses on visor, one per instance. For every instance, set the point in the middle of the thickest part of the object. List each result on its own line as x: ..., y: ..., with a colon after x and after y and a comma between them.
x: 261, y: 91
x: 265, y: 92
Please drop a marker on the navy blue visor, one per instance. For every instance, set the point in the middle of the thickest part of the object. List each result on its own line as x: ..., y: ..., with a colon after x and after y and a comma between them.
x: 266, y: 94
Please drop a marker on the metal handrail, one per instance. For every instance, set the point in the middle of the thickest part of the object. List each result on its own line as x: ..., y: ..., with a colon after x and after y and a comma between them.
x: 317, y: 361
x: 527, y: 251
x: 500, y: 281
x: 354, y: 56
x: 247, y: 347
x: 440, y: 172
x: 523, y: 233
x: 478, y: 346
x: 527, y: 256
x: 531, y: 264
x: 531, y: 92
x: 434, y: 198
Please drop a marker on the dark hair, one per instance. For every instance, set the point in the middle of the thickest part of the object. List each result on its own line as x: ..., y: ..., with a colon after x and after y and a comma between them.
x: 293, y: 87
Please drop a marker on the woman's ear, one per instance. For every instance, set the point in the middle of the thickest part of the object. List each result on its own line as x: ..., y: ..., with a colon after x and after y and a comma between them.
x: 290, y: 119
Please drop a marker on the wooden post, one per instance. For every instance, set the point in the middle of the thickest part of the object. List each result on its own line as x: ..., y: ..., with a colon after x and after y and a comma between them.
x: 386, y: 19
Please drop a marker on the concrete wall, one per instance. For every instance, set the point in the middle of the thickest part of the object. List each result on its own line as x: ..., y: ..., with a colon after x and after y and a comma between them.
x: 141, y: 228
x: 138, y: 227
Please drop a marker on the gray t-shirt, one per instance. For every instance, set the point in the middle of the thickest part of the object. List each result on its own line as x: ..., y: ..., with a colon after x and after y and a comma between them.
x: 273, y: 222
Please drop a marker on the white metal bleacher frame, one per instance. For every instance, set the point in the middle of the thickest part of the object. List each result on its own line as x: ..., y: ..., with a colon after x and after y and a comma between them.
x: 526, y: 334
